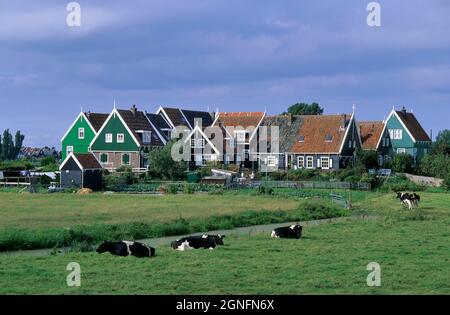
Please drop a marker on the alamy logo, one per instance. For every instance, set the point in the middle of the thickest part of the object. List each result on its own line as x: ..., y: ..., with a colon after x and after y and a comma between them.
x: 74, y: 17
x: 374, y: 16
x: 374, y: 278
x: 74, y: 277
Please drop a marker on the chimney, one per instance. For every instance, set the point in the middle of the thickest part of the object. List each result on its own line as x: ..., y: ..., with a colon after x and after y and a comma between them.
x: 133, y: 110
x: 404, y: 111
x: 344, y: 120
x: 89, y: 114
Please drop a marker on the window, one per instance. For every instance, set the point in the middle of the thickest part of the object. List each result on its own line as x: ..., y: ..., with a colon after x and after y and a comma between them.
x: 387, y: 142
x: 396, y: 134
x: 104, y: 158
x: 200, y: 143
x: 401, y: 150
x: 301, y: 139
x: 325, y: 163
x: 125, y: 159
x: 380, y: 160
x: 271, y: 161
x: 80, y: 133
x: 120, y: 138
x: 328, y: 138
x: 310, y: 162
x: 240, y: 136
x: 108, y: 138
x: 147, y: 137
x: 69, y: 149
x: 350, y: 143
x: 301, y: 161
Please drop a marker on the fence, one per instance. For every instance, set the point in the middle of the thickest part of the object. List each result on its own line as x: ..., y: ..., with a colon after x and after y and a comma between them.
x: 15, y: 181
x: 306, y: 185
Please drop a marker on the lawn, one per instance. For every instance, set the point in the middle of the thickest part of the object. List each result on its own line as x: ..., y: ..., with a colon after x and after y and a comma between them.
x: 329, y: 259
x: 68, y: 210
x: 411, y: 247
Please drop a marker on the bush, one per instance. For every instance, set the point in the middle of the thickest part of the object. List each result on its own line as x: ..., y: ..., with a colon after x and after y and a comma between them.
x: 172, y: 189
x: 189, y: 188
x: 216, y: 191
x: 403, y: 163
x: 400, y: 183
x: 446, y: 183
x: 436, y: 165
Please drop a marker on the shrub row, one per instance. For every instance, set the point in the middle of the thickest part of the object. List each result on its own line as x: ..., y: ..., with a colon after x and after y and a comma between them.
x: 23, y: 239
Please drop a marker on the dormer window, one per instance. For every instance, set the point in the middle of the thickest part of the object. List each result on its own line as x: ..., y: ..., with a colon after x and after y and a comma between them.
x: 328, y: 138
x: 147, y: 137
x: 301, y: 139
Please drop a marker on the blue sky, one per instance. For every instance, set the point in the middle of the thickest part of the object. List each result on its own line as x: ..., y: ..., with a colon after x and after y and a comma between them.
x: 246, y: 55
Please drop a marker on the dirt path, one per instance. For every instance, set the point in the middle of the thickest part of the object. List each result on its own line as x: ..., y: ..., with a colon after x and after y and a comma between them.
x: 165, y: 241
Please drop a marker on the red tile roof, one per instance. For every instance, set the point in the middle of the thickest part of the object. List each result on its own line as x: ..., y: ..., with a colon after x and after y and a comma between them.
x: 242, y: 119
x: 316, y: 130
x: 370, y: 133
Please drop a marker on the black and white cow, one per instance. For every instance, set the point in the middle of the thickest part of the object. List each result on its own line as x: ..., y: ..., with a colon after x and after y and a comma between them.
x: 126, y: 248
x: 293, y: 231
x: 409, y: 200
x: 198, y: 241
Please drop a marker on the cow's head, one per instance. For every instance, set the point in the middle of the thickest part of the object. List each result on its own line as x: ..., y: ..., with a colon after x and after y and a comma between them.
x: 399, y: 195
x: 219, y: 239
x: 104, y: 247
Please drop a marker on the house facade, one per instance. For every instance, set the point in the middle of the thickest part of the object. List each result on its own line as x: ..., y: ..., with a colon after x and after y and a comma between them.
x: 125, y: 139
x: 327, y: 142
x: 240, y: 136
x: 407, y: 135
x: 79, y: 136
x: 375, y: 136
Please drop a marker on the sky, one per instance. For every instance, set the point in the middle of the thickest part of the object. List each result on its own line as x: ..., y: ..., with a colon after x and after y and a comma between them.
x: 230, y: 55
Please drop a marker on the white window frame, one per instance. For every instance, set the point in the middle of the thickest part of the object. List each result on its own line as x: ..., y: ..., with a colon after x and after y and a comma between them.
x: 240, y: 136
x: 350, y: 143
x: 108, y: 138
x: 69, y: 149
x: 309, y: 159
x: 129, y: 159
x: 327, y: 162
x: 301, y: 162
x: 396, y: 134
x: 120, y: 138
x: 401, y: 150
x: 80, y: 133
x: 147, y: 137
x: 271, y: 161
x: 107, y: 158
x: 201, y: 143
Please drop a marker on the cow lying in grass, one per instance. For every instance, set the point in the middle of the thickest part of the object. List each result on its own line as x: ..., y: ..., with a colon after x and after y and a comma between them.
x: 126, y: 248
x: 409, y: 200
x: 198, y: 241
x: 293, y: 231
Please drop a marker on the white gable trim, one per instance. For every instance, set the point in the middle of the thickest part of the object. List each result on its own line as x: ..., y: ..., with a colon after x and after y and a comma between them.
x: 257, y: 127
x: 166, y: 117
x: 382, y: 134
x: 181, y: 111
x: 197, y: 128
x: 71, y: 155
x: 156, y: 129
x: 346, y: 133
x: 113, y: 113
x: 401, y: 121
x: 81, y: 115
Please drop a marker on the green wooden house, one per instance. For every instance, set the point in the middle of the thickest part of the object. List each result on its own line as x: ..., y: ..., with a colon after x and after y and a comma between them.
x: 81, y: 133
x: 125, y: 139
x: 407, y: 135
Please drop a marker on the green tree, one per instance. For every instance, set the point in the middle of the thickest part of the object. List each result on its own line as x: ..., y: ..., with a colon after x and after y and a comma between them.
x: 367, y: 158
x: 305, y: 109
x: 436, y: 165
x: 442, y: 144
x: 163, y: 166
x: 18, y: 142
x: 7, y: 145
x: 403, y: 163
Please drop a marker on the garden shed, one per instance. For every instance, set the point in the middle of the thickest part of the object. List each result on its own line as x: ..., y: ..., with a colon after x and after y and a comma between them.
x: 81, y: 171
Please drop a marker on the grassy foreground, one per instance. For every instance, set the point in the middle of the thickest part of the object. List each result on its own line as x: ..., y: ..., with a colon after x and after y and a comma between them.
x: 330, y: 259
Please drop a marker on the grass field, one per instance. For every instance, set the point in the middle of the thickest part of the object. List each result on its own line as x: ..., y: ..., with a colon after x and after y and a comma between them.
x: 67, y: 210
x: 411, y: 247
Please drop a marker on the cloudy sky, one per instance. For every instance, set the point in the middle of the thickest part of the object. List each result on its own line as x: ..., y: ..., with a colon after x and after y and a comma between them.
x: 234, y: 55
